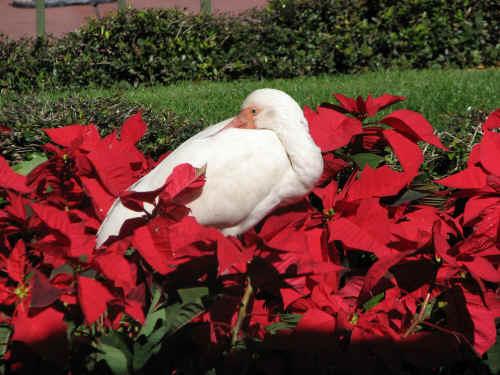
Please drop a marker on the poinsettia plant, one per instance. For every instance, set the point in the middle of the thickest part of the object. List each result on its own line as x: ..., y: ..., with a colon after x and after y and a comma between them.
x: 360, y: 270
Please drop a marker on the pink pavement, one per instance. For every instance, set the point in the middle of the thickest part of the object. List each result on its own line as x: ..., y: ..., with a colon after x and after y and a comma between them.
x: 19, y: 22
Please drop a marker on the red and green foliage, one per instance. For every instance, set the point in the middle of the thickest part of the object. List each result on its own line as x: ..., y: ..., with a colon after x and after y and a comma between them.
x: 358, y: 275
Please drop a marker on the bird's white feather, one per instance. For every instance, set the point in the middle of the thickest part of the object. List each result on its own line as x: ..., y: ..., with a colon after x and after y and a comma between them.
x: 248, y: 172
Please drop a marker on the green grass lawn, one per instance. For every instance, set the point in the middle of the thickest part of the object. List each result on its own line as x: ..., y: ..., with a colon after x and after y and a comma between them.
x: 433, y: 93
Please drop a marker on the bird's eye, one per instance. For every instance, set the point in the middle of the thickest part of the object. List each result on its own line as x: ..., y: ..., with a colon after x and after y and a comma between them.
x: 253, y: 111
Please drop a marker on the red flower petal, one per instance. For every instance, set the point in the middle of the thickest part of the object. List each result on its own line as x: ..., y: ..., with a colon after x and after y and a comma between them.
x: 379, y: 269
x: 331, y: 166
x: 409, y: 154
x: 4, y: 130
x: 46, y: 327
x: 118, y: 164
x: 133, y: 129
x: 93, y: 297
x: 413, y: 125
x: 493, y: 182
x: 43, y: 293
x: 354, y: 237
x: 483, y: 320
x: 493, y: 120
x: 183, y: 177
x: 490, y: 152
x: 289, y: 240
x: 375, y: 105
x: 102, y: 200
x: 16, y: 262
x: 90, y: 138
x: 10, y: 179
x: 116, y: 268
x: 314, y: 320
x: 66, y: 135
x: 349, y: 104
x: 440, y: 244
x: 231, y: 258
x: 482, y: 268
x: 374, y: 219
x: 361, y: 104
x: 153, y: 243
x: 285, y: 216
x: 53, y: 217
x: 289, y: 295
x: 328, y: 194
x: 379, y: 182
x: 135, y: 200
x: 134, y: 309
x: 476, y: 205
x: 188, y: 231
x: 469, y: 178
x: 330, y: 129
x: 17, y: 207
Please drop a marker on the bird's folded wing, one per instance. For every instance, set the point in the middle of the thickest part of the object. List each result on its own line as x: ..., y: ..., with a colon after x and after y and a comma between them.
x: 185, y: 153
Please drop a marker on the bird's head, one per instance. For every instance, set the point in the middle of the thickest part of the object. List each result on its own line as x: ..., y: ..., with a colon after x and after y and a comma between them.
x: 268, y: 109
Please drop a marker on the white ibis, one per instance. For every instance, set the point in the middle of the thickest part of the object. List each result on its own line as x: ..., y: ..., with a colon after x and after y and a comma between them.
x: 262, y: 157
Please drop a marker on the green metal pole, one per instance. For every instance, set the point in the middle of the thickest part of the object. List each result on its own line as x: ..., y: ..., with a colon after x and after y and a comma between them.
x: 40, y: 18
x: 122, y: 4
x: 205, y: 6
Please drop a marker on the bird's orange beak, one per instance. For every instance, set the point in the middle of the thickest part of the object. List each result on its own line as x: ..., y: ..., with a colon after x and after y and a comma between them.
x: 245, y: 120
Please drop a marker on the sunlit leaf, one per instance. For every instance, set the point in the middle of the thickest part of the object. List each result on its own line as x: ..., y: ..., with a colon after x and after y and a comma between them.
x: 362, y: 159
x: 372, y: 302
x: 33, y: 160
x: 5, y: 333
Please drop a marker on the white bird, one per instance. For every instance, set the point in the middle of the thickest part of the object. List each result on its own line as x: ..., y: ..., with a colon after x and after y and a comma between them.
x: 255, y: 161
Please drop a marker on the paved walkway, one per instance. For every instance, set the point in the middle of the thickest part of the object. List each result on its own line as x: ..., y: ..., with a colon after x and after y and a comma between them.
x: 18, y: 22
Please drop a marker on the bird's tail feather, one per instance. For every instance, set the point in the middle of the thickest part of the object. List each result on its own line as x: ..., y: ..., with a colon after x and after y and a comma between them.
x: 112, y: 225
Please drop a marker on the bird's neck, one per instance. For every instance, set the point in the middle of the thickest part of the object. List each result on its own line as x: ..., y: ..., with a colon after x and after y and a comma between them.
x: 305, y: 156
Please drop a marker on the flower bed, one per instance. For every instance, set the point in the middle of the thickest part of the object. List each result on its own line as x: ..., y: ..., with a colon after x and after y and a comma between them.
x: 358, y: 276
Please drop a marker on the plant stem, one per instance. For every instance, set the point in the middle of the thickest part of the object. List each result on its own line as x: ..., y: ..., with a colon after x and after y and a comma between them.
x: 205, y: 6
x: 40, y: 18
x: 122, y: 5
x: 420, y: 318
x: 242, y: 313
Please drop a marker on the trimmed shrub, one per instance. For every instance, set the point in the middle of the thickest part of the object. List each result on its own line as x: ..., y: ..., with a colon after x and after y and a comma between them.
x: 288, y: 38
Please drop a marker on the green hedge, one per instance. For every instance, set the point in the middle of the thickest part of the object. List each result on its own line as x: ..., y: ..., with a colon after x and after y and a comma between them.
x: 289, y: 38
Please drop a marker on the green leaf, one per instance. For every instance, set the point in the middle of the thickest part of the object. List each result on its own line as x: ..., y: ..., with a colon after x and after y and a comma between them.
x: 149, y: 339
x: 287, y: 322
x: 493, y: 360
x: 115, y: 352
x: 164, y: 322
x: 5, y: 332
x: 291, y: 319
x: 362, y: 159
x: 408, y: 196
x: 65, y: 268
x: 278, y: 326
x: 373, y: 301
x: 154, y: 314
x: 193, y: 294
x: 180, y: 314
x: 26, y: 166
x: 145, y: 348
